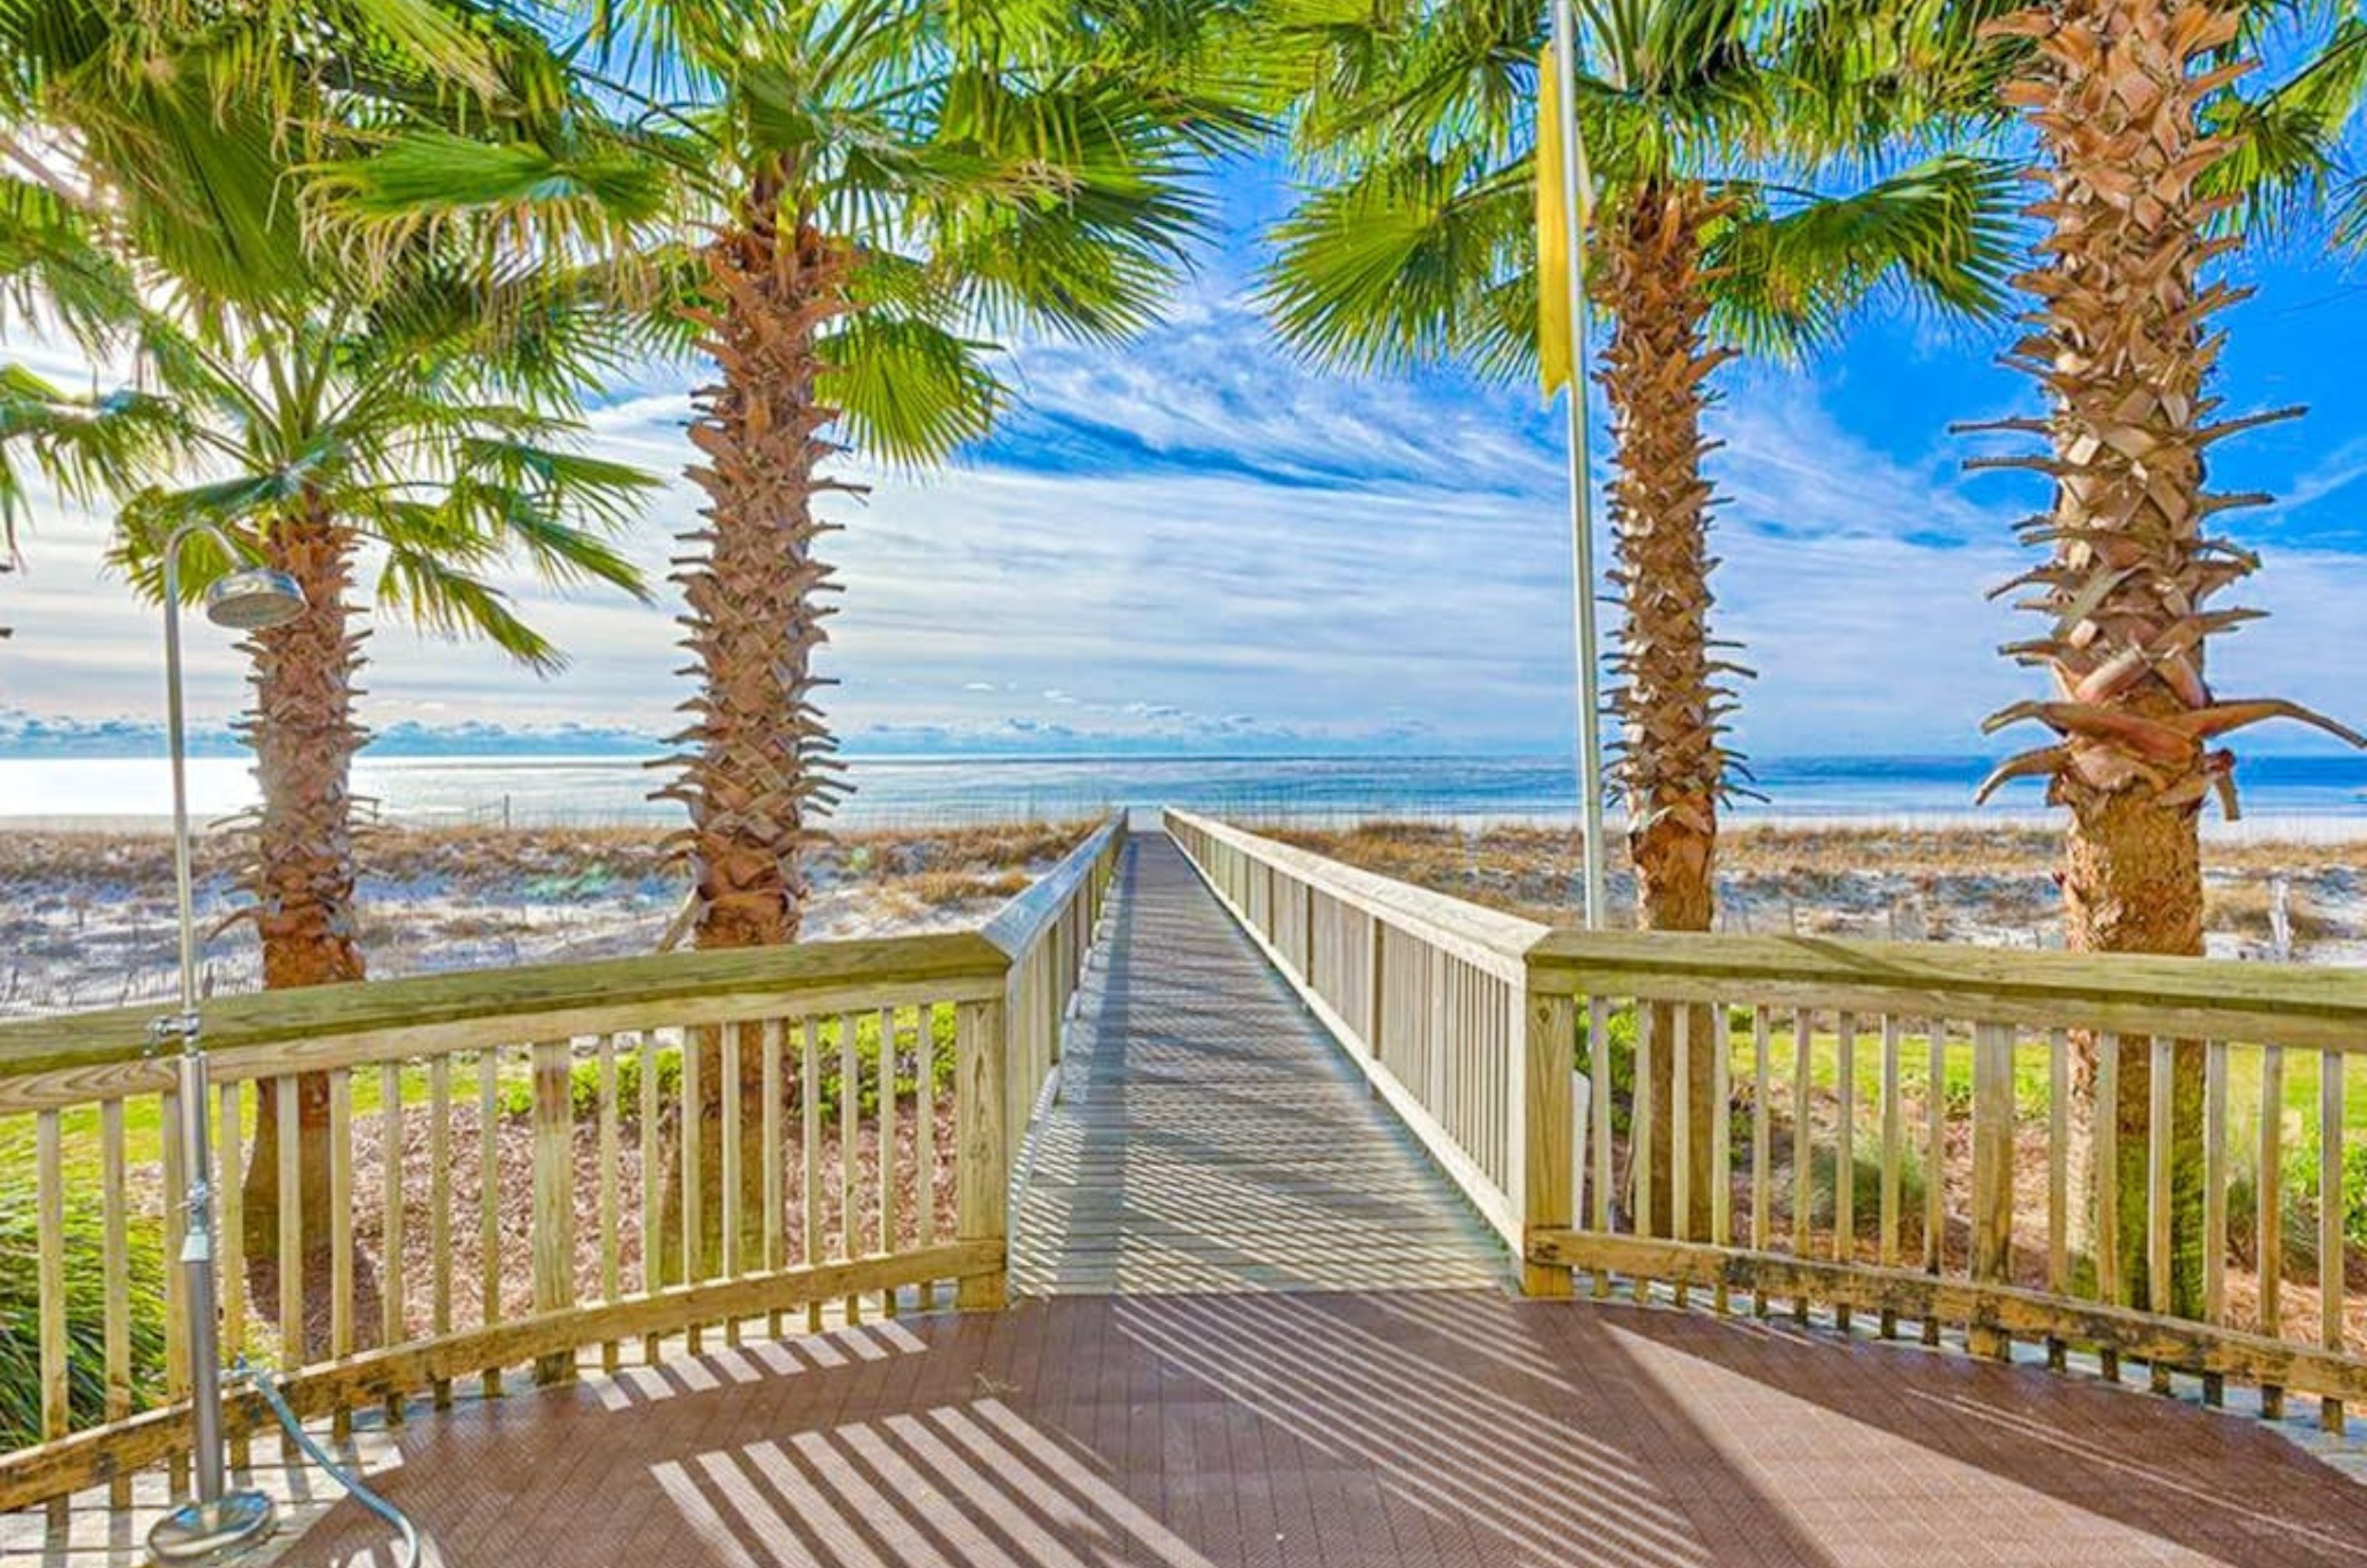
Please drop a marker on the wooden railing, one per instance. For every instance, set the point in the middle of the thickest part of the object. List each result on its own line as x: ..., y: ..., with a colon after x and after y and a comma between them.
x: 1430, y: 996
x: 639, y: 1156
x: 1888, y: 1131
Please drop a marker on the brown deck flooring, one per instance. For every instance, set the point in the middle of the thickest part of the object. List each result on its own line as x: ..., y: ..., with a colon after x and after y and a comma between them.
x: 1211, y: 1136
x: 1432, y: 1428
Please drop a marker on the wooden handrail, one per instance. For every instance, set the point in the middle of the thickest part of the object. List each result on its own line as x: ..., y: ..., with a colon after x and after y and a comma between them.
x: 2131, y: 993
x: 862, y: 1023
x: 1022, y: 922
x: 1497, y: 941
x: 1674, y: 1199
x: 2319, y: 1006
x: 78, y: 1057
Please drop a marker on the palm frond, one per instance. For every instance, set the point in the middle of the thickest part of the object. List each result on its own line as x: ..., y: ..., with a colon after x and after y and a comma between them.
x: 425, y: 588
x: 1941, y: 232
x: 1402, y: 266
x: 908, y: 390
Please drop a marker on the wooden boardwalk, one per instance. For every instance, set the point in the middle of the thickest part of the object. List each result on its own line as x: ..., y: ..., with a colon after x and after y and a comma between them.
x: 1256, y: 1328
x: 1210, y: 1136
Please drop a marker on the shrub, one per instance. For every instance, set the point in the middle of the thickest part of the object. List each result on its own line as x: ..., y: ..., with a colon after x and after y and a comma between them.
x: 20, y: 1351
x: 583, y: 1076
x: 2300, y: 1184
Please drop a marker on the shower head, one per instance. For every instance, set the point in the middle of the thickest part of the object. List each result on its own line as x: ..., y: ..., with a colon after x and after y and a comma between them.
x: 252, y: 599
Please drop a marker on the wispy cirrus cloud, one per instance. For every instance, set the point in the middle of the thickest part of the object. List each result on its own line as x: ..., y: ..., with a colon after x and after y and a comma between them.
x: 1196, y: 542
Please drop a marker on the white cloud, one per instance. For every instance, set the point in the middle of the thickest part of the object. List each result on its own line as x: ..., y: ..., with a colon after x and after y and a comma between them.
x: 1200, y: 541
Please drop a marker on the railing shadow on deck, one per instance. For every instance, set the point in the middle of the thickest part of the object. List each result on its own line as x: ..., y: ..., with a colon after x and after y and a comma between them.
x: 1187, y: 1431
x: 864, y: 1105
x: 1878, y: 1129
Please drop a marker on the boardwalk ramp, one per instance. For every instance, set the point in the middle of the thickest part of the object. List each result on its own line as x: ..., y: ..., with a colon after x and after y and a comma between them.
x: 1210, y: 1136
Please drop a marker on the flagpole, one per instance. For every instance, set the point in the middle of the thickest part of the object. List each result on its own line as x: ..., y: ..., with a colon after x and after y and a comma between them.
x: 1577, y: 181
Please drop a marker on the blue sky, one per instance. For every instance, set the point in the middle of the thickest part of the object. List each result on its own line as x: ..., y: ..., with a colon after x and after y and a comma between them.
x: 1192, y: 543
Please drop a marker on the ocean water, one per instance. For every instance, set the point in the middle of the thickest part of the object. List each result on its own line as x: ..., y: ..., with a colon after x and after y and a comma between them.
x: 2280, y: 794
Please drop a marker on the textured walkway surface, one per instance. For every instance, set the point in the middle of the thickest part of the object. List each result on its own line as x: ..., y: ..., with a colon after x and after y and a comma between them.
x: 1210, y: 1135
x: 1329, y: 1431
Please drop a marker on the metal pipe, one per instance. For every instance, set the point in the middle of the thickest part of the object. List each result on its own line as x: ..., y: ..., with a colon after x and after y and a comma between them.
x: 1578, y: 183
x: 218, y: 1523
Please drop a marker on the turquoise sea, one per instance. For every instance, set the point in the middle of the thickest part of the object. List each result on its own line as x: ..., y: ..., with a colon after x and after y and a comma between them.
x: 895, y: 791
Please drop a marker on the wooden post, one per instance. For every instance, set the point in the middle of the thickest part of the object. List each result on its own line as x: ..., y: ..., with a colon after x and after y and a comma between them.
x: 49, y: 1268
x: 1992, y: 1171
x: 982, y: 1170
x: 1541, y: 1176
x: 554, y: 1197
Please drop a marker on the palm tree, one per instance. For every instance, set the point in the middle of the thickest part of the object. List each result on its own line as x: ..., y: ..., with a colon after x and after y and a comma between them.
x: 881, y: 187
x: 882, y: 183
x: 2153, y: 167
x: 1719, y: 232
x: 409, y: 418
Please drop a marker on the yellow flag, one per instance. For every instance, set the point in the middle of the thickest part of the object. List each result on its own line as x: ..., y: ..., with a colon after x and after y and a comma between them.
x: 1553, y: 232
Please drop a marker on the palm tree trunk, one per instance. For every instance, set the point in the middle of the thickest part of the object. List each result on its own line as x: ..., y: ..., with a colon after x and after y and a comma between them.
x: 2133, y: 882
x: 756, y: 765
x: 2122, y: 346
x: 756, y: 769
x: 301, y: 876
x: 1670, y: 767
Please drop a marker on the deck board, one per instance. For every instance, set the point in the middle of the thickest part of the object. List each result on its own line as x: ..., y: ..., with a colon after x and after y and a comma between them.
x: 1211, y: 1137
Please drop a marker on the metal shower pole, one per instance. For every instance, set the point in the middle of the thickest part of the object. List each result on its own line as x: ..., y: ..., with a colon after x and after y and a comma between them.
x: 217, y: 1524
x: 1577, y: 183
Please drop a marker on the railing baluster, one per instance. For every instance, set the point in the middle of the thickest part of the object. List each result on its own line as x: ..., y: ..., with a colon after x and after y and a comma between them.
x: 1598, y: 1137
x: 341, y: 1230
x: 1935, y: 1182
x: 2329, y: 1219
x: 612, y: 1272
x: 774, y: 1178
x: 229, y: 1227
x: 392, y: 1322
x: 731, y: 1040
x: 50, y: 1182
x: 884, y: 1139
x: 691, y: 1112
x: 1762, y: 1172
x: 2103, y: 1136
x: 440, y: 1209
x: 809, y: 1154
x: 2160, y: 1129
x: 1844, y: 1151
x: 293, y: 1350
x: 652, y: 1233
x: 2058, y: 1178
x: 1639, y: 1131
x: 1721, y: 1138
x: 850, y: 1198
x: 1681, y: 1128
x: 924, y: 1153
x: 176, y: 1303
x: 554, y: 1194
x: 489, y: 1198
x: 1893, y: 1152
x: 2270, y: 1181
x: 114, y: 1264
x: 1803, y: 1170
x: 2214, y: 1201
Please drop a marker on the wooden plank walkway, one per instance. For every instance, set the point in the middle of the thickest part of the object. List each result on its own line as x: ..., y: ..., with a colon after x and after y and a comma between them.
x: 1210, y: 1135
x: 1304, y: 1430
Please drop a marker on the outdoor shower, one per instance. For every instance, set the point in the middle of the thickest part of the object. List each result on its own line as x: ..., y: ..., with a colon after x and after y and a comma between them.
x: 216, y: 1523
